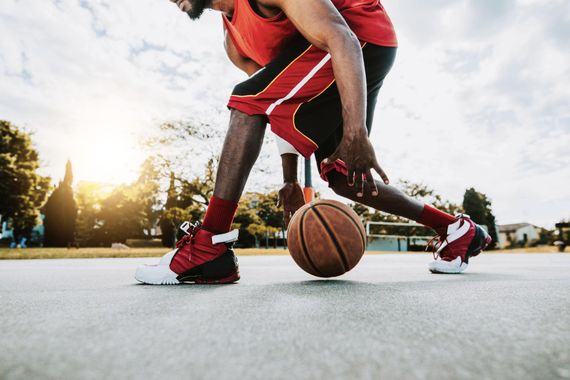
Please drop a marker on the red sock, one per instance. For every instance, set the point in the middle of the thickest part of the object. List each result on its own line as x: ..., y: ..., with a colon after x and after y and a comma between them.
x: 219, y: 215
x: 435, y: 218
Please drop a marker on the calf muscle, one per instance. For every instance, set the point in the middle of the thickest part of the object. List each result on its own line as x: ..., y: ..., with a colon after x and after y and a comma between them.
x: 389, y: 199
x: 241, y: 148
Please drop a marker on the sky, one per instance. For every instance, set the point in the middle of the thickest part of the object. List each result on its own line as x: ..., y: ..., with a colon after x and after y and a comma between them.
x: 479, y: 95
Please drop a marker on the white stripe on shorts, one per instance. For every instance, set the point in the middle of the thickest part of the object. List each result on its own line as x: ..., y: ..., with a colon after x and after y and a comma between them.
x: 299, y: 85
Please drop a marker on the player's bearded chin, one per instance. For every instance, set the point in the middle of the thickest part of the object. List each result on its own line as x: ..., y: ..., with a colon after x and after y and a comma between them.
x: 197, y: 8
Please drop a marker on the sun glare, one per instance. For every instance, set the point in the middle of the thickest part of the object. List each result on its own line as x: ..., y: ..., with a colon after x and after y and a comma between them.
x: 102, y: 142
x: 106, y: 155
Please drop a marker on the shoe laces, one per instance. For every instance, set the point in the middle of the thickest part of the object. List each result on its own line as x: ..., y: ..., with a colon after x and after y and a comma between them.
x: 435, y: 243
x: 190, y: 230
x: 439, y: 241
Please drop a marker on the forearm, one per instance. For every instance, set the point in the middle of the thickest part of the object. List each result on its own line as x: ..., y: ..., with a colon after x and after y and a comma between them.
x: 348, y: 68
x: 323, y: 26
x: 289, y: 165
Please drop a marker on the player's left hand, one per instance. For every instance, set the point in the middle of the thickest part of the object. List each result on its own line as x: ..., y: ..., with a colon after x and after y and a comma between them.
x: 358, y: 154
x: 291, y: 198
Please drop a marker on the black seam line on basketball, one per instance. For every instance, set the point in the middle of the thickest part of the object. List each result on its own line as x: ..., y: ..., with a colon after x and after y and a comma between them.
x: 333, y: 238
x: 304, y: 245
x: 352, y: 220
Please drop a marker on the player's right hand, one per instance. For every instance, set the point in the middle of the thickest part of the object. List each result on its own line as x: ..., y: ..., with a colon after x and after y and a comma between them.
x: 291, y: 198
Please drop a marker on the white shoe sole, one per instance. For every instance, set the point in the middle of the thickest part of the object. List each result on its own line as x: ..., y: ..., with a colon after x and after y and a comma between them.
x: 156, y: 275
x: 449, y: 267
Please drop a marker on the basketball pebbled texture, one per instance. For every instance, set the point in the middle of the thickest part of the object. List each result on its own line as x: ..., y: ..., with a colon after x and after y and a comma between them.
x: 326, y: 238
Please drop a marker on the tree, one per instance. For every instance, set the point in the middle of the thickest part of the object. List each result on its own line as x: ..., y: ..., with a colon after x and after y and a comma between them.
x: 258, y: 217
x: 199, y: 190
x: 166, y: 220
x: 89, y: 197
x: 22, y: 189
x: 246, y: 215
x: 148, y: 188
x: 122, y: 215
x: 478, y: 207
x: 267, y: 210
x: 114, y: 215
x: 270, y: 215
x: 261, y: 231
x: 60, y: 212
x: 362, y: 210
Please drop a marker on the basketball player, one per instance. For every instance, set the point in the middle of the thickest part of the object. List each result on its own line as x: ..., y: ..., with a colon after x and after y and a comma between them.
x: 315, y: 71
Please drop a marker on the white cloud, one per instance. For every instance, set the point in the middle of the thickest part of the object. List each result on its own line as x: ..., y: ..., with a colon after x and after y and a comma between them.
x: 478, y: 95
x: 483, y: 90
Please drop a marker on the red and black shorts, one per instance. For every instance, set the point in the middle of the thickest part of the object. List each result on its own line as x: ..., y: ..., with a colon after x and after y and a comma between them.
x: 298, y: 94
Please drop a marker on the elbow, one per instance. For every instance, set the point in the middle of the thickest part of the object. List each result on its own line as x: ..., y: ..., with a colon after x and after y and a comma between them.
x: 342, y: 40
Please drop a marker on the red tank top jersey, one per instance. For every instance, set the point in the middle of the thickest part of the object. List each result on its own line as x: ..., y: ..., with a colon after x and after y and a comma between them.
x: 261, y: 39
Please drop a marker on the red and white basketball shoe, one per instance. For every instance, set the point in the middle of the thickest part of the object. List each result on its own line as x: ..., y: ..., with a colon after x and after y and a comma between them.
x: 460, y: 241
x: 200, y: 257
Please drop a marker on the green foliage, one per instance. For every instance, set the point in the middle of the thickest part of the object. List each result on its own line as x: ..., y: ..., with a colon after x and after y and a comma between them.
x: 127, y: 211
x: 167, y: 226
x: 148, y: 189
x: 362, y: 211
x: 199, y: 190
x: 186, y: 201
x: 246, y: 215
x: 89, y: 197
x: 478, y: 207
x: 258, y: 218
x: 122, y: 215
x: 131, y: 211
x: 545, y: 237
x: 175, y: 141
x: 60, y: 213
x: 22, y: 189
x: 267, y: 210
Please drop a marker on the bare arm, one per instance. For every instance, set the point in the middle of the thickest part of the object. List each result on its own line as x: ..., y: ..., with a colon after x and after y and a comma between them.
x: 322, y: 25
x: 291, y: 194
x: 245, y: 64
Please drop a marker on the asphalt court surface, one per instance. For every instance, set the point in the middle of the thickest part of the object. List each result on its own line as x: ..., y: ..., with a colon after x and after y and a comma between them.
x: 507, y: 317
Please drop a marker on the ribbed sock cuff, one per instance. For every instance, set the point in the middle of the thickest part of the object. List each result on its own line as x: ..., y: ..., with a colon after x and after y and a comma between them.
x: 219, y: 215
x: 435, y: 218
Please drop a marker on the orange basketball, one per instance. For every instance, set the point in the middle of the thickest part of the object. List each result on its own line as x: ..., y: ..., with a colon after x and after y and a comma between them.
x: 326, y: 238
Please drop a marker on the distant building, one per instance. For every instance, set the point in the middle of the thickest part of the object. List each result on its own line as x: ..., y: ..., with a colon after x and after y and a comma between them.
x: 6, y: 230
x: 517, y: 234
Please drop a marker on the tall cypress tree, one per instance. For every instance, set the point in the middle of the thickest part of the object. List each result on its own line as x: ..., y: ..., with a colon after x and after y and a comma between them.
x: 478, y: 207
x: 60, y: 213
x: 166, y: 223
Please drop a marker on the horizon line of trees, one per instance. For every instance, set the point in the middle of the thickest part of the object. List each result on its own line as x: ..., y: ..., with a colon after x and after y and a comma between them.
x: 90, y: 215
